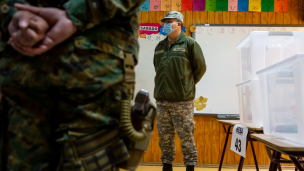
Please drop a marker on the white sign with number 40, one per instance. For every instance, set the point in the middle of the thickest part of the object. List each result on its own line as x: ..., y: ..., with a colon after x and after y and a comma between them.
x: 239, y: 137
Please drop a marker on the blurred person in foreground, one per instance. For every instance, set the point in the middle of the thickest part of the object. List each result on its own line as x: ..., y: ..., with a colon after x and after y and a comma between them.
x: 63, y: 77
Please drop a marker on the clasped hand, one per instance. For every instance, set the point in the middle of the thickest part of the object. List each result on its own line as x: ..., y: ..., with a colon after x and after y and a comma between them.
x: 35, y: 30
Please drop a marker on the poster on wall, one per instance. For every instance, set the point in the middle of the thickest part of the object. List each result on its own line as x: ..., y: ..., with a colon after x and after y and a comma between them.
x: 221, y: 5
x: 210, y: 5
x: 232, y: 5
x: 281, y: 6
x: 199, y: 5
x: 267, y: 6
x: 255, y: 5
x: 187, y: 5
x: 243, y: 5
x: 150, y: 28
x: 176, y: 5
x: 166, y: 5
x: 145, y: 6
x: 155, y: 5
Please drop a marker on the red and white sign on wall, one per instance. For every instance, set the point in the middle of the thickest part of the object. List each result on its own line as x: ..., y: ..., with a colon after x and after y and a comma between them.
x: 148, y: 29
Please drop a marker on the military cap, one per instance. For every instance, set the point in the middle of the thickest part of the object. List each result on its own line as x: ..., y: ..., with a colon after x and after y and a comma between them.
x: 174, y: 14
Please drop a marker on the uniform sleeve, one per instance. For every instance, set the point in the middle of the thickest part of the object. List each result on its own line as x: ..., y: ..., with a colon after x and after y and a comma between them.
x: 7, y: 10
x: 154, y: 60
x: 88, y: 13
x: 154, y: 57
x: 198, y: 63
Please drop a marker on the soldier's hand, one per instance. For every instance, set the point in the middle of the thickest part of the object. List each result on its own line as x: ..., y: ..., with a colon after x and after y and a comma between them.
x: 61, y: 28
x: 20, y: 20
x: 27, y: 28
x: 30, y: 35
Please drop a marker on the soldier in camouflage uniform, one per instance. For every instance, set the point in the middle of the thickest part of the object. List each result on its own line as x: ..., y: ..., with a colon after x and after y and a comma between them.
x: 179, y: 65
x: 70, y: 92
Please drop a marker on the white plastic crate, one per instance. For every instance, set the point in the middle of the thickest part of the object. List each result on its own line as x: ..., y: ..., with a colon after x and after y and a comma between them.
x: 250, y: 104
x: 249, y: 60
x: 263, y: 48
x: 282, y: 93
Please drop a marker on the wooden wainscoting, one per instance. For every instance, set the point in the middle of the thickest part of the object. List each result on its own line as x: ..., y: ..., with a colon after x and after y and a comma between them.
x: 294, y: 16
x: 209, y: 138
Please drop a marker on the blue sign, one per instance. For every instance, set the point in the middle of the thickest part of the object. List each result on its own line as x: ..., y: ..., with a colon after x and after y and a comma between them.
x: 243, y: 5
x: 184, y: 29
x: 163, y: 33
x: 145, y: 6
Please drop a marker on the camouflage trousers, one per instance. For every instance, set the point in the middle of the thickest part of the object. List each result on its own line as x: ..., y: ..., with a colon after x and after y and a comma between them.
x: 176, y: 116
x: 60, y: 96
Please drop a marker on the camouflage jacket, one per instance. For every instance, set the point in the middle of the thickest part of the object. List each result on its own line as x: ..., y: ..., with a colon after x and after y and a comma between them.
x: 110, y: 26
x: 107, y: 26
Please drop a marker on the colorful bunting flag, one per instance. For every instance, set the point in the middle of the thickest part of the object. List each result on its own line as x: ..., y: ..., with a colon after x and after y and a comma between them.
x: 210, y: 5
x: 176, y: 5
x: 243, y: 5
x: 166, y: 5
x: 145, y: 6
x: 267, y: 6
x: 199, y: 5
x: 233, y: 5
x: 187, y: 5
x: 255, y: 5
x: 281, y: 6
x: 155, y: 5
x: 221, y: 5
x: 216, y: 5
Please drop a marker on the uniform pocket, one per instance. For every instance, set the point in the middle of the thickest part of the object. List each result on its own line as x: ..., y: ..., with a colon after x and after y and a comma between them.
x: 181, y: 54
x: 184, y: 85
x: 192, y: 115
x: 157, y: 59
x: 187, y: 85
x: 192, y: 126
x: 158, y: 55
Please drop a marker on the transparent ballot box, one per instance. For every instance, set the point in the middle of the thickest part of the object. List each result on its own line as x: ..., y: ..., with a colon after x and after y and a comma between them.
x: 261, y: 49
x: 282, y: 94
x: 250, y: 106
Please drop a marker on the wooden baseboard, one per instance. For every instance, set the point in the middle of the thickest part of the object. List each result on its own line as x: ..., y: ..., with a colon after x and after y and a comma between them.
x: 214, y: 166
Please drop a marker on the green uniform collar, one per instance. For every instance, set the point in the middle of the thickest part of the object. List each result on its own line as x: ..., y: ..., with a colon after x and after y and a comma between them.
x: 180, y: 39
